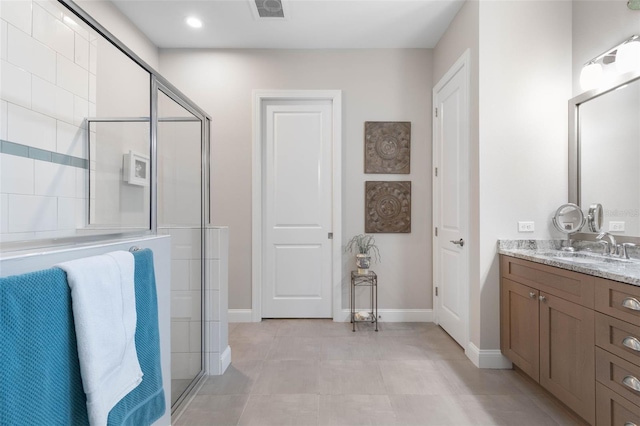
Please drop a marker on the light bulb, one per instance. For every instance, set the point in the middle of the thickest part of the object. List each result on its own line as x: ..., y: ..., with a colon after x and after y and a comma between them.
x: 628, y: 57
x: 591, y: 76
x: 193, y: 22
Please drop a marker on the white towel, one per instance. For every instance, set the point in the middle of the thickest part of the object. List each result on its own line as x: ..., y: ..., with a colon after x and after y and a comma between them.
x: 104, y: 313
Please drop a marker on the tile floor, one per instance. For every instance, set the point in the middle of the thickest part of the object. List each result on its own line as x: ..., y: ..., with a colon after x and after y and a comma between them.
x: 317, y: 372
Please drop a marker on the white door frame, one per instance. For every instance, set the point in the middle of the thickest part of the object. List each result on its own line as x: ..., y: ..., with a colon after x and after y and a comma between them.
x: 461, y: 64
x: 259, y: 97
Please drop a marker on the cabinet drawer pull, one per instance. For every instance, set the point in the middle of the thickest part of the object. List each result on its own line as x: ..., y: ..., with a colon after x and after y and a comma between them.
x: 631, y: 303
x: 631, y: 343
x: 532, y: 295
x: 630, y: 424
x: 632, y: 383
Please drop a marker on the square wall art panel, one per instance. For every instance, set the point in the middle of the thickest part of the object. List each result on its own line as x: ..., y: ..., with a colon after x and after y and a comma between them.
x: 387, y: 147
x: 387, y: 207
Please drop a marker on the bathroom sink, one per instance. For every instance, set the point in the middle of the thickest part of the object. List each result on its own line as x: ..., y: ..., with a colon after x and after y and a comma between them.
x: 585, y: 258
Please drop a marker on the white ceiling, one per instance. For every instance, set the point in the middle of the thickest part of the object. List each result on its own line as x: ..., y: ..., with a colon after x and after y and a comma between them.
x: 308, y: 24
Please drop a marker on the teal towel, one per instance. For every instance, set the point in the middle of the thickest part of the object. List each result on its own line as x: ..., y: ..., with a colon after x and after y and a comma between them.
x: 145, y: 404
x: 40, y: 379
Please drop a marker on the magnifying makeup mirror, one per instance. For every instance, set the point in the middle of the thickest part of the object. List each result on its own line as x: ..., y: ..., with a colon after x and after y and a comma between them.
x: 594, y: 217
x: 569, y: 219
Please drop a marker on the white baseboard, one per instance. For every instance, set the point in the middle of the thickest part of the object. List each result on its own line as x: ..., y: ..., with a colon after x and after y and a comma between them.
x: 487, y: 358
x: 398, y: 315
x: 218, y: 363
x: 225, y: 360
x: 240, y: 315
x: 386, y: 315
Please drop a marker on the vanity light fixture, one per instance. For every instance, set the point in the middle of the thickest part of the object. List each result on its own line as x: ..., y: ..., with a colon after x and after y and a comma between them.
x: 625, y: 56
x: 628, y: 55
x: 591, y: 76
x: 193, y: 22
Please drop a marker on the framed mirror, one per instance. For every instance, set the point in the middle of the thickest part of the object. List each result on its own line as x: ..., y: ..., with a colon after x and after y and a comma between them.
x: 604, y: 157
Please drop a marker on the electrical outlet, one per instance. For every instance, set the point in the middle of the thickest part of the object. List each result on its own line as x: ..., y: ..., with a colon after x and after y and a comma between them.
x: 526, y: 227
x: 616, y: 226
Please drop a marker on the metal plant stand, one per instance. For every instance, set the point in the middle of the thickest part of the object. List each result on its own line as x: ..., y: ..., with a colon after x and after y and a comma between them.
x: 370, y: 280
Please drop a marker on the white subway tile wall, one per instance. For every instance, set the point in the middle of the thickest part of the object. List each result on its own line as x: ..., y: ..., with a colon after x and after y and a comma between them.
x: 16, y: 175
x: 186, y: 302
x: 3, y: 40
x: 15, y: 85
x: 47, y: 89
x: 28, y: 213
x: 216, y: 283
x: 4, y: 213
x: 3, y: 119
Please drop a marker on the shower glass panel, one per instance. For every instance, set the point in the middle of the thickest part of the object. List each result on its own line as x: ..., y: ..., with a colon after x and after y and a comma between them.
x: 119, y: 175
x: 180, y: 214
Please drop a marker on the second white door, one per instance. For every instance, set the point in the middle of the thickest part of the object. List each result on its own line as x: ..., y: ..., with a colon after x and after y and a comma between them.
x: 297, y: 209
x: 451, y: 201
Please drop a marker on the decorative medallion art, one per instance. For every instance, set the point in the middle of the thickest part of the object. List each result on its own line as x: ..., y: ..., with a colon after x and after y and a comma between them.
x: 387, y: 207
x: 387, y: 147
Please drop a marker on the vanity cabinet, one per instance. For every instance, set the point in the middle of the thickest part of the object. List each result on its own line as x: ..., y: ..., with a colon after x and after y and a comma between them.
x: 547, y: 329
x: 617, y: 353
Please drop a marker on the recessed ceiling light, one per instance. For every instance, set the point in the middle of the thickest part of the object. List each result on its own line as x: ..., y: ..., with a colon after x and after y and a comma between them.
x: 194, y: 22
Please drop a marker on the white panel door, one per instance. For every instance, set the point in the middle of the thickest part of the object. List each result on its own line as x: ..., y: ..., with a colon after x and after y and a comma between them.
x: 297, y: 208
x: 451, y: 209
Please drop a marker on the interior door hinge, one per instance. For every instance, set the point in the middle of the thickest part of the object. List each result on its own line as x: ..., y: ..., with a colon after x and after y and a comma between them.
x: 330, y: 235
x: 436, y: 112
x: 436, y: 231
x: 436, y: 171
x: 436, y: 291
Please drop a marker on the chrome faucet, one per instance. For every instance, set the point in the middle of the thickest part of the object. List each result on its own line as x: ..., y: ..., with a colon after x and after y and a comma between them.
x: 625, y: 249
x: 613, y: 247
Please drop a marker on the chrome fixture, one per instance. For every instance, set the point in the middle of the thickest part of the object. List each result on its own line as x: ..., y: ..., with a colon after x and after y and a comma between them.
x: 594, y: 217
x: 613, y: 247
x: 625, y: 56
x: 568, y: 219
x: 606, y: 249
x: 625, y: 249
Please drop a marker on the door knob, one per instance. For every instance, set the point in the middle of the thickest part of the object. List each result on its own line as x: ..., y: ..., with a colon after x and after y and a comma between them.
x: 532, y: 295
x: 458, y: 243
x: 542, y: 298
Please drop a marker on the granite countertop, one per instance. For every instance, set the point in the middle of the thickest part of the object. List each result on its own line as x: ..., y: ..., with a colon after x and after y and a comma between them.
x: 586, y: 260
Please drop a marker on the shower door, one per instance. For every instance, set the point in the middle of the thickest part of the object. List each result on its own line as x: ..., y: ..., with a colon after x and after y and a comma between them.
x: 181, y: 214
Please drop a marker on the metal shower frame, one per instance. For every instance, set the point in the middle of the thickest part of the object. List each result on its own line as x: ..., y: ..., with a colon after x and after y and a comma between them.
x: 157, y: 83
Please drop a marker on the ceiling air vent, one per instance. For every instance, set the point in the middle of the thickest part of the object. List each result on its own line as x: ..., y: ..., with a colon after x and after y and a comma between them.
x: 270, y: 8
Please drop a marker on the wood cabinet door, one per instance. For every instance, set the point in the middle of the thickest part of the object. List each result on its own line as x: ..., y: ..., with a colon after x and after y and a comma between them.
x: 519, y: 326
x: 567, y: 359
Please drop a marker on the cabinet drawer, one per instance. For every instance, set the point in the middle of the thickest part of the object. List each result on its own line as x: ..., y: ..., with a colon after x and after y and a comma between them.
x: 618, y: 375
x: 612, y: 409
x: 568, y: 285
x: 618, y: 337
x: 618, y: 300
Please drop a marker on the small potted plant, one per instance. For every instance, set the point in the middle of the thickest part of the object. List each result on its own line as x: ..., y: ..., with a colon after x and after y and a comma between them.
x: 364, y: 246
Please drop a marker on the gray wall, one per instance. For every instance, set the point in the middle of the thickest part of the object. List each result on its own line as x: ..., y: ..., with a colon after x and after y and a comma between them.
x: 519, y: 88
x: 377, y: 84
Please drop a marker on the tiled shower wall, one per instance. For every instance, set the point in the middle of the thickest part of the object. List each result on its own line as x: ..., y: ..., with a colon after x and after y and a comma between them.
x: 47, y: 89
x: 186, y: 301
x: 186, y: 297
